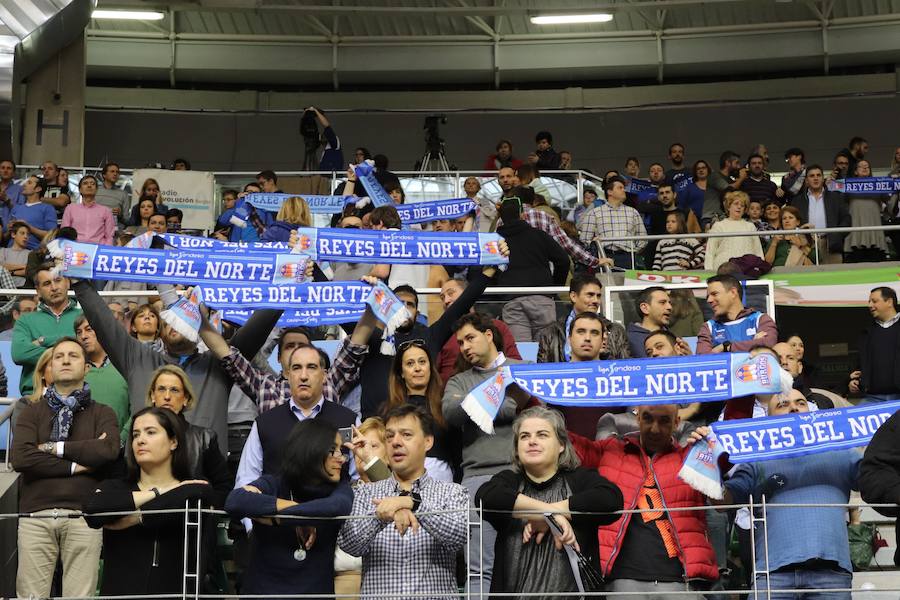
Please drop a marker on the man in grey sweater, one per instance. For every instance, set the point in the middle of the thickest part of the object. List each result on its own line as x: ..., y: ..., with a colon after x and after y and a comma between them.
x: 137, y: 361
x: 483, y: 454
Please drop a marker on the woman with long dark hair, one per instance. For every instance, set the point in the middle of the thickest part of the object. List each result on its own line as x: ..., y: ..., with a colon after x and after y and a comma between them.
x: 296, y: 556
x: 171, y: 388
x: 414, y: 379
x: 144, y: 551
x: 140, y: 215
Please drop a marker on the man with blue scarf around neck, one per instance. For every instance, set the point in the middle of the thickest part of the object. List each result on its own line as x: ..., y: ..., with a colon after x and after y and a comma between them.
x: 61, y: 445
x: 808, y: 548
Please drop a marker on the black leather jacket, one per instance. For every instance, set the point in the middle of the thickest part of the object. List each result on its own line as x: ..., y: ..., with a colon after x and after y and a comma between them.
x: 205, y: 461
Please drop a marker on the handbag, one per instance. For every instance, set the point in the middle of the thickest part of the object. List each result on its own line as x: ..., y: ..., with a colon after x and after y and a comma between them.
x: 864, y: 543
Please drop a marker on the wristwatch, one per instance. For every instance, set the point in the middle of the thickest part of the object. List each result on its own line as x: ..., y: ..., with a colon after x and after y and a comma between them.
x: 155, y: 491
x: 726, y: 346
x: 49, y: 447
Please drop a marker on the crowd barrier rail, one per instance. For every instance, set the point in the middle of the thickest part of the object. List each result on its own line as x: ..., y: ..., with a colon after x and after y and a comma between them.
x: 194, y: 512
x: 706, y: 235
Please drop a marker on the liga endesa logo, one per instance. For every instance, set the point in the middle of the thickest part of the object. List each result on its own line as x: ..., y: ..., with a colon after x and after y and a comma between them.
x: 492, y: 247
x: 759, y: 370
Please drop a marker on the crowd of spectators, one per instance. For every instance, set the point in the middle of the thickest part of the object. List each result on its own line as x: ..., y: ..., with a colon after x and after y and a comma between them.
x: 121, y: 413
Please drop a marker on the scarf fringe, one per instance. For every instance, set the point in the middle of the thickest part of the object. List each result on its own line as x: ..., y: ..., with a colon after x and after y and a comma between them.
x: 478, y: 415
x: 171, y: 317
x: 702, y: 483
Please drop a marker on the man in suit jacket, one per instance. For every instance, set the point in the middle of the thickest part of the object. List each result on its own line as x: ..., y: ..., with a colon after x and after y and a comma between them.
x: 821, y: 208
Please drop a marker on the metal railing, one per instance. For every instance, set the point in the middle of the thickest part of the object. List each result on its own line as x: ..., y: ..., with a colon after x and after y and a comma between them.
x: 194, y: 513
x: 606, y: 241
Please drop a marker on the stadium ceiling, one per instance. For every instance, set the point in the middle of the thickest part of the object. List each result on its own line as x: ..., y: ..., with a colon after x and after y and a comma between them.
x: 485, y: 43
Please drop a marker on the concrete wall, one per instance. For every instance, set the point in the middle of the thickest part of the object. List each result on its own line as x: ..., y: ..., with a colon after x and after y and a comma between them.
x: 601, y: 127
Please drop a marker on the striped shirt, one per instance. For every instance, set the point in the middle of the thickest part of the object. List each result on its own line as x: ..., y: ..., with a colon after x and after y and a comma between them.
x: 670, y: 253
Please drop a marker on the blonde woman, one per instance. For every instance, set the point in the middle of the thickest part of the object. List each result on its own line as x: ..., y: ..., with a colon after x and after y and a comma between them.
x: 170, y: 388
x: 294, y: 213
x: 41, y: 379
x: 722, y: 249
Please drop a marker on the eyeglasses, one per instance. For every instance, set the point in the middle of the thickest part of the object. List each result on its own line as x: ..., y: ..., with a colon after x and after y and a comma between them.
x: 339, y: 452
x: 418, y: 343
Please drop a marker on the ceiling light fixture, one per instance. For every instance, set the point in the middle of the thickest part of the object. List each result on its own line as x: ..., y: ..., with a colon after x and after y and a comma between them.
x: 130, y: 15
x: 569, y: 19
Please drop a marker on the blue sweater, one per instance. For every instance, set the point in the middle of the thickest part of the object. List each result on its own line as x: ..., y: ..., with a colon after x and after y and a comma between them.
x: 797, y: 535
x: 273, y: 569
x: 40, y: 215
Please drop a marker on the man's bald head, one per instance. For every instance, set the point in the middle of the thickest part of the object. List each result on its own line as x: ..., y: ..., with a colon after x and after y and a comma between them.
x: 657, y: 423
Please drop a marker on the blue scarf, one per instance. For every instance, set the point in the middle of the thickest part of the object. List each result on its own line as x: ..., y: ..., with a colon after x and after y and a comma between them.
x: 422, y: 212
x: 642, y: 188
x: 365, y: 173
x: 191, y: 242
x: 64, y: 409
x: 400, y: 247
x: 866, y: 185
x: 92, y: 261
x: 704, y: 378
x: 311, y: 316
x: 322, y: 205
x: 783, y: 436
x: 325, y: 303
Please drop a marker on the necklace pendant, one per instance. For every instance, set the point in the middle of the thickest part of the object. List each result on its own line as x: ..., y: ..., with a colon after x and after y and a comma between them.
x: 299, y: 554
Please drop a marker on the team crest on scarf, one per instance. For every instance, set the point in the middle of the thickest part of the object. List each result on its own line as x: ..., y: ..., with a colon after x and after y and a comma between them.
x: 755, y: 371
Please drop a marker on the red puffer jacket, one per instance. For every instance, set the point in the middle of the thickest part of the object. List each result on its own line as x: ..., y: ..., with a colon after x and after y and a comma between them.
x: 624, y: 462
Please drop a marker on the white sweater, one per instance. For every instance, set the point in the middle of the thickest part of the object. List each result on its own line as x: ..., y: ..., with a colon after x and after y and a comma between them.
x: 722, y: 249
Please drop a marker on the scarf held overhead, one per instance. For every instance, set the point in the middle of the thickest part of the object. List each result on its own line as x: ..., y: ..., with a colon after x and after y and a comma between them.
x: 322, y: 205
x: 400, y: 247
x: 422, y: 212
x: 782, y: 436
x: 327, y: 303
x: 704, y: 378
x: 92, y: 261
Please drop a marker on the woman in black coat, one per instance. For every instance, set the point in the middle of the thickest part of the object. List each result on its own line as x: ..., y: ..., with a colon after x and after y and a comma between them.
x: 170, y: 388
x: 144, y: 552
x: 528, y: 557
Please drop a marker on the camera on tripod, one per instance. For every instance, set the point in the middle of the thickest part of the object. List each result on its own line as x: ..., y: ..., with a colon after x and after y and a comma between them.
x: 309, y: 129
x: 434, y: 143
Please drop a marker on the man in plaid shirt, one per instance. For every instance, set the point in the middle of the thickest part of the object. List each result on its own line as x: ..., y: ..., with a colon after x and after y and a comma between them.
x: 415, y: 524
x: 538, y: 219
x: 268, y: 390
x: 614, y: 219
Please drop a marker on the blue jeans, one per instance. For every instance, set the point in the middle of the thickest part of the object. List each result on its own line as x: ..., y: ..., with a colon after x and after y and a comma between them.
x: 481, y: 559
x: 873, y: 398
x: 804, y: 579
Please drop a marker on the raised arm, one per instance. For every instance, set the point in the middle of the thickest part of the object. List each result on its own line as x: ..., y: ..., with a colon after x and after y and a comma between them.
x: 123, y: 350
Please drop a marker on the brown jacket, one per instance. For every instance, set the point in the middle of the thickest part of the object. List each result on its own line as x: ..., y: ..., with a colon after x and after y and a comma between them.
x: 47, y: 480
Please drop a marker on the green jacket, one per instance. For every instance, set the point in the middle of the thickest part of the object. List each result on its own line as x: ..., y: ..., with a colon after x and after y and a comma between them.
x: 41, y: 323
x: 109, y: 387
